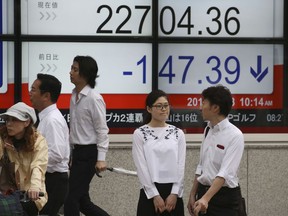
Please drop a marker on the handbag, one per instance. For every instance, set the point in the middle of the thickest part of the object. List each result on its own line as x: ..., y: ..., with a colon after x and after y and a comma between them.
x: 9, y: 195
x: 242, y: 205
x: 7, y: 174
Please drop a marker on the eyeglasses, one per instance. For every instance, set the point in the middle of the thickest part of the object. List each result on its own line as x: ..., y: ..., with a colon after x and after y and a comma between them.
x: 161, y: 106
x: 11, y: 120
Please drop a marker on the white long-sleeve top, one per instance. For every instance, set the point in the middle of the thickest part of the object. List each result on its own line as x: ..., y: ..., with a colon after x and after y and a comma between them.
x: 88, y: 120
x: 54, y: 128
x: 221, y: 154
x: 159, y: 156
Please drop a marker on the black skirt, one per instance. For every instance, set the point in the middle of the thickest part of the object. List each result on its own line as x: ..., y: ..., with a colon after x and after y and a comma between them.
x: 146, y: 206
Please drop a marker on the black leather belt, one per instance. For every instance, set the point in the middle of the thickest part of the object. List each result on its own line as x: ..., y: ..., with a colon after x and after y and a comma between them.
x: 77, y: 146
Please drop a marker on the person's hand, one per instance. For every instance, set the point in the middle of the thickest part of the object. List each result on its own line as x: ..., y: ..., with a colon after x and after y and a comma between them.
x: 200, y: 206
x: 33, y: 194
x: 9, y: 146
x: 170, y: 202
x: 100, y: 166
x: 190, y: 204
x: 159, y: 204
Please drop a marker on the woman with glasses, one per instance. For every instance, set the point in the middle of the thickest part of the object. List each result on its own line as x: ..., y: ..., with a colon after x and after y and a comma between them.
x: 29, y: 151
x: 159, y: 151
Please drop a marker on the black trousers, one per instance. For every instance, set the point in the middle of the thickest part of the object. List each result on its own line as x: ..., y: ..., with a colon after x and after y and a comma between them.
x: 57, y: 188
x: 82, y: 171
x: 146, y: 206
x: 224, y: 203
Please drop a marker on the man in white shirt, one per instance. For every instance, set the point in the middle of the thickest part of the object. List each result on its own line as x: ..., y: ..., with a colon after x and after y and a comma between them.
x: 44, y: 94
x: 88, y: 136
x: 216, y: 184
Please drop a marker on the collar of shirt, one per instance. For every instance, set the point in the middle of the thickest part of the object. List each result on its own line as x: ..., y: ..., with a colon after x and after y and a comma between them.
x: 45, y: 111
x: 220, y: 126
x: 84, y: 91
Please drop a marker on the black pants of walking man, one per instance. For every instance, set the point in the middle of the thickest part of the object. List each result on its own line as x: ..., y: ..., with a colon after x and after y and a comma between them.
x: 57, y: 188
x: 82, y: 171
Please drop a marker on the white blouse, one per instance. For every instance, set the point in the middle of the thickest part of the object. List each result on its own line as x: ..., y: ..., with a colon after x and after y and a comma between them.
x: 159, y: 156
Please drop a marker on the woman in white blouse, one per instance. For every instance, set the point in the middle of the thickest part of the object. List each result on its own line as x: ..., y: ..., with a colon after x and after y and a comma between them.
x: 159, y: 151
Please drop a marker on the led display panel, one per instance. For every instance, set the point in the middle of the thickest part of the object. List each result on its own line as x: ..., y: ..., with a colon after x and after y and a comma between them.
x: 88, y: 17
x: 253, y: 73
x: 124, y: 80
x: 221, y: 18
x: 180, y: 46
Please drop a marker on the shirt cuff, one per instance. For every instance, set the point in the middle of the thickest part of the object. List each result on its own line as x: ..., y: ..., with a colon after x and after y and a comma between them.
x: 175, y: 189
x: 198, y: 170
x: 222, y: 174
x: 101, y: 156
x: 151, y: 192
